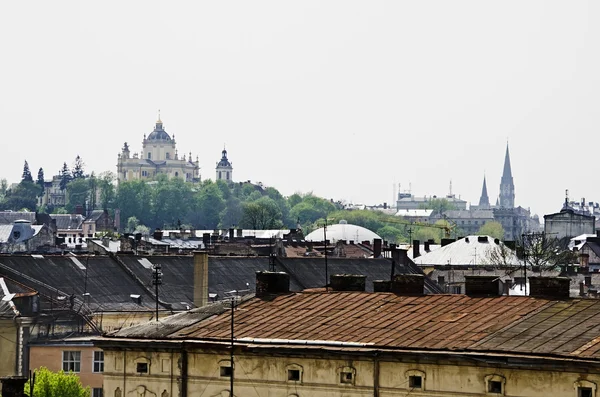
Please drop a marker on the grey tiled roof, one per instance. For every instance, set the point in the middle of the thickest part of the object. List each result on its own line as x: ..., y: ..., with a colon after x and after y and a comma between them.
x: 9, y: 217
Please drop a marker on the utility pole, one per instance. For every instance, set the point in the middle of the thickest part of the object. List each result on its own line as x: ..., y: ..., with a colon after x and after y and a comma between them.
x: 157, y: 280
x: 326, y: 269
x: 231, y: 353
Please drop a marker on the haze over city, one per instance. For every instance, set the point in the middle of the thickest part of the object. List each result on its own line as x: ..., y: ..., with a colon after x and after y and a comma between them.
x: 339, y: 98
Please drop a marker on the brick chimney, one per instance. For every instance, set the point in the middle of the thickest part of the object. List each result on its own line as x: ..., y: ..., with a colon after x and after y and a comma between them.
x: 271, y: 283
x: 376, y: 248
x: 13, y: 386
x: 549, y: 287
x: 408, y: 284
x: 482, y: 286
x: 200, y: 278
x: 382, y: 286
x: 416, y: 248
x: 347, y: 282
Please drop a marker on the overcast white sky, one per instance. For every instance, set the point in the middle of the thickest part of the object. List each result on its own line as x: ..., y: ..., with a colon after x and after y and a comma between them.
x: 341, y: 98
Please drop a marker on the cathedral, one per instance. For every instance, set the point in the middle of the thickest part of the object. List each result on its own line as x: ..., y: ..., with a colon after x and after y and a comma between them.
x: 159, y: 155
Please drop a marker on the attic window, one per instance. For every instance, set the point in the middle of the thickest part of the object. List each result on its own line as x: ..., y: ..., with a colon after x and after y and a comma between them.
x: 415, y: 382
x: 294, y: 375
x: 142, y: 368
x: 347, y: 377
x: 494, y: 386
x: 226, y: 371
x: 585, y: 392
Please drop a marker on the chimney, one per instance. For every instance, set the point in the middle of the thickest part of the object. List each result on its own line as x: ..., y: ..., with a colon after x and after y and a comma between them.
x: 382, y: 286
x: 79, y: 209
x: 482, y: 239
x: 549, y: 287
x: 206, y: 239
x: 581, y: 288
x: 588, y: 281
x: 408, y: 284
x: 446, y: 241
x: 482, y: 286
x: 376, y: 248
x: 271, y: 283
x: 158, y: 234
x: 416, y: 249
x: 13, y: 386
x: 399, y: 256
x: 347, y: 282
x: 231, y: 233
x: 240, y: 233
x: 200, y: 278
x: 507, y: 286
x: 426, y: 246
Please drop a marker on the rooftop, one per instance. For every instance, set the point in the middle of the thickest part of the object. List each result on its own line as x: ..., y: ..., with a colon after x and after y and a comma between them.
x: 519, y: 325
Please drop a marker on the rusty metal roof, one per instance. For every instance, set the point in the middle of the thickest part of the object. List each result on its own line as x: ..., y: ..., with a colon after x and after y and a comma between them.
x: 381, y: 319
x: 507, y: 324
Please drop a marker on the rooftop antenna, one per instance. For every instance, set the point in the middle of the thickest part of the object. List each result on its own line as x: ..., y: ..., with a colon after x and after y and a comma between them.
x: 450, y: 193
x: 326, y: 270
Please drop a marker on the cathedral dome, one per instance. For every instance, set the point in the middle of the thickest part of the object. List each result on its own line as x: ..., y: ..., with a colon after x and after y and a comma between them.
x: 159, y: 133
x: 224, y: 161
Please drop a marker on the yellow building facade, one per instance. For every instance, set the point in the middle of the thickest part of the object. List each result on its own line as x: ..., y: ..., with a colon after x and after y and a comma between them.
x: 159, y: 155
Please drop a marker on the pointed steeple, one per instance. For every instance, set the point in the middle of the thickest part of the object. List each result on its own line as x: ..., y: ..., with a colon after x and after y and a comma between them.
x: 484, y: 200
x: 507, y: 188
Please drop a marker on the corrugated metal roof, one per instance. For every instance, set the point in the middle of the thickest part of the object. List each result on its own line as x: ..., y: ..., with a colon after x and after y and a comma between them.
x: 469, y: 250
x: 521, y: 325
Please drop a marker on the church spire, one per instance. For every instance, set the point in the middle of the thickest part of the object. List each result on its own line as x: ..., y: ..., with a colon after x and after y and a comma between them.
x: 507, y: 188
x: 484, y: 200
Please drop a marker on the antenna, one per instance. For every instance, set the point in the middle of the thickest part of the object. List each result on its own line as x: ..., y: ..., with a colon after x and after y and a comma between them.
x: 450, y: 188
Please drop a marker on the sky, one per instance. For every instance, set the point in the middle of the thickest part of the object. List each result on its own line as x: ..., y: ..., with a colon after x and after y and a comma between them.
x: 340, y: 98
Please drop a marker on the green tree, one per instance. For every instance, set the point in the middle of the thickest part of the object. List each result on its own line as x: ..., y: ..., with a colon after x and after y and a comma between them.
x: 310, y: 209
x: 22, y: 196
x: 77, y: 194
x: 493, y: 229
x: 78, y: 166
x: 26, y: 173
x: 283, y: 205
x: 132, y: 224
x: 294, y: 199
x: 232, y: 213
x: 391, y: 234
x: 65, y: 176
x: 3, y: 188
x: 107, y: 189
x: 40, y: 180
x: 134, y: 198
x: 57, y: 384
x: 261, y: 214
x: 210, y: 204
x: 171, y: 202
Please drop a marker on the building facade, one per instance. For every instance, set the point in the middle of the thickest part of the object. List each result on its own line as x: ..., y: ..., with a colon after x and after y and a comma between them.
x: 159, y: 155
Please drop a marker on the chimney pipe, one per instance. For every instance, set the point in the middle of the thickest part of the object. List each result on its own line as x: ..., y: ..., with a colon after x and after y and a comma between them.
x: 231, y: 233
x: 348, y: 282
x: 482, y: 286
x: 200, y: 278
x: 446, y: 241
x: 408, y: 284
x: 549, y: 287
x: 426, y: 246
x: 581, y: 288
x: 416, y: 249
x: 271, y: 283
x: 13, y: 386
x: 376, y: 248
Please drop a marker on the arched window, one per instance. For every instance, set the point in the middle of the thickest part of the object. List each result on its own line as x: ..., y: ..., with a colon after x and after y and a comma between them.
x: 149, y: 156
x: 168, y: 156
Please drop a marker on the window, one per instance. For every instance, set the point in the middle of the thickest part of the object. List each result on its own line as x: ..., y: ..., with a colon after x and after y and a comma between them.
x: 71, y: 361
x: 142, y: 368
x: 585, y: 392
x: 149, y: 156
x: 219, y: 174
x: 494, y: 386
x: 415, y: 379
x: 415, y: 382
x: 97, y: 392
x: 585, y: 388
x: 294, y: 375
x: 456, y: 289
x: 98, y: 363
x: 347, y: 377
x: 176, y: 173
x: 226, y: 371
x: 168, y: 156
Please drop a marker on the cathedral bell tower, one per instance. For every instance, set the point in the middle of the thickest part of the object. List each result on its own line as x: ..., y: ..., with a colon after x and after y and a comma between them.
x: 224, y: 169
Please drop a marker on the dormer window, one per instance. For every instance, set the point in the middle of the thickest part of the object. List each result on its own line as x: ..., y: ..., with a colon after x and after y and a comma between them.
x: 494, y: 384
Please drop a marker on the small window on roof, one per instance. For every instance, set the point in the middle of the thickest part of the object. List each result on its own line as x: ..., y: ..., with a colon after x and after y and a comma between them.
x: 494, y: 384
x: 294, y: 375
x: 415, y: 382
